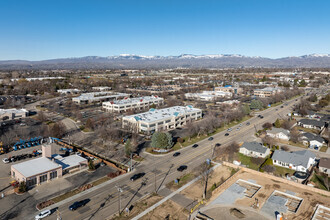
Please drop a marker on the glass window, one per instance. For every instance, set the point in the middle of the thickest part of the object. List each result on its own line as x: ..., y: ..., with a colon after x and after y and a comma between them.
x: 53, y: 174
x: 43, y: 178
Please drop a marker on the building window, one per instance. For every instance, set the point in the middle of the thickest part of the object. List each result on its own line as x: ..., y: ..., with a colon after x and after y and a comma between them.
x: 144, y: 125
x: 152, y: 125
x: 13, y: 174
x: 43, y: 178
x: 53, y: 174
x: 168, y: 121
x: 32, y: 181
x: 160, y: 123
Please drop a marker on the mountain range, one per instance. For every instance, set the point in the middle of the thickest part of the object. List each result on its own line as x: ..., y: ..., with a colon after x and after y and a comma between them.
x: 129, y: 61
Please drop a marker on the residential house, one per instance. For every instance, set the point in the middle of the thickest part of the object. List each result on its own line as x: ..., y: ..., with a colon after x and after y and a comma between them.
x: 310, y: 123
x: 312, y: 140
x: 324, y: 166
x: 297, y: 160
x: 254, y: 149
x: 279, y: 133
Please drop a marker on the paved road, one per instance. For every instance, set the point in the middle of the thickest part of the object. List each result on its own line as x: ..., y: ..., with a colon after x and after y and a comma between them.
x: 104, y: 200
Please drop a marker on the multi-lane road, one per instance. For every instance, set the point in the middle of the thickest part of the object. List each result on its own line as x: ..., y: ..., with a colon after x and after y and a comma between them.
x: 104, y: 201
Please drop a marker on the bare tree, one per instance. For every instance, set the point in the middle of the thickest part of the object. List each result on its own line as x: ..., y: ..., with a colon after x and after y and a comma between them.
x: 267, y: 125
x: 295, y: 135
x: 204, y: 172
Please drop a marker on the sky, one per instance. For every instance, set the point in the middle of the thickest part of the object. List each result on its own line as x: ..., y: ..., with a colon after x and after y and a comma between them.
x: 49, y: 29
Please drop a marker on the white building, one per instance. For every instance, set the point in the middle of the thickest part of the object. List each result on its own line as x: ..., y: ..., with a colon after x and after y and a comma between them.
x: 266, y: 92
x: 68, y: 91
x: 279, y: 133
x: 102, y: 88
x: 161, y: 119
x: 208, y: 95
x: 254, y: 149
x: 10, y: 114
x: 127, y: 104
x: 297, y: 160
x: 86, y: 98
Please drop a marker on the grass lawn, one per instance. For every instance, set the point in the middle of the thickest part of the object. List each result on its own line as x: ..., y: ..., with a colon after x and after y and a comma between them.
x: 182, y: 181
x: 318, y: 180
x: 308, y: 130
x: 323, y: 148
x: 276, y: 104
x: 297, y: 144
x: 247, y: 161
x: 282, y: 171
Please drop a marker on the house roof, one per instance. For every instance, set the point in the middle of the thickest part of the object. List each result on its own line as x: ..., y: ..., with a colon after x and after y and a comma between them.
x: 254, y: 146
x: 35, y: 166
x: 324, y: 162
x: 296, y: 158
x: 278, y: 130
x: 312, y: 122
x: 312, y: 137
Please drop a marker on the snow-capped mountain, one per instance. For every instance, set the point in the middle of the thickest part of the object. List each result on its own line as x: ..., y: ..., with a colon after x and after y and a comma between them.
x: 184, y: 60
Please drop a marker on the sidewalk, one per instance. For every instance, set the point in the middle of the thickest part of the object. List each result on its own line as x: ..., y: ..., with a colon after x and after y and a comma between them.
x: 169, y: 196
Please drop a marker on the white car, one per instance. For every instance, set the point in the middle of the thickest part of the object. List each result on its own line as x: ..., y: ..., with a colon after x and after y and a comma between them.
x: 5, y: 160
x: 43, y: 214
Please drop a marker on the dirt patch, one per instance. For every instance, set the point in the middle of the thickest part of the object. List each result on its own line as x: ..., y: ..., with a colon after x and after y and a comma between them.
x: 218, y: 176
x: 168, y: 210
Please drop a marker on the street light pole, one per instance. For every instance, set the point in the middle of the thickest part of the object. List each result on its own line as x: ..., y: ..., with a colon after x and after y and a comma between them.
x: 119, y: 196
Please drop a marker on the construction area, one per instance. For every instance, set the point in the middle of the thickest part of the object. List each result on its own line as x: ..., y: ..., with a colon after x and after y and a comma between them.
x: 253, y: 195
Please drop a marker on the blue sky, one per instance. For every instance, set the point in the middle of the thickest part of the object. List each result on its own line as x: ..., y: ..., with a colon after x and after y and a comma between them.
x: 46, y: 29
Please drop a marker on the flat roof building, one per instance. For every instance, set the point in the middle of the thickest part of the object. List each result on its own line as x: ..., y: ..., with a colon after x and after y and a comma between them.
x: 266, y: 92
x: 91, y: 97
x: 233, y: 90
x: 161, y: 119
x: 68, y: 91
x: 36, y: 171
x: 13, y: 113
x: 208, y: 95
x: 127, y: 104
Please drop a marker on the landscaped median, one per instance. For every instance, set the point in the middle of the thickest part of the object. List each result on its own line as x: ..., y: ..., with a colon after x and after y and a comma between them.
x: 186, y: 141
x: 78, y: 190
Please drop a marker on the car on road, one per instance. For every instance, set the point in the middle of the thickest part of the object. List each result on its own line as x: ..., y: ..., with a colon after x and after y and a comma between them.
x: 282, y: 106
x: 182, y: 168
x: 137, y: 176
x: 227, y: 134
x: 276, y: 109
x: 210, y: 139
x: 5, y: 160
x: 176, y: 154
x: 217, y: 144
x: 240, y: 125
x: 43, y: 214
x: 229, y: 129
x: 237, y: 129
x: 195, y: 145
x: 248, y: 123
x: 79, y: 204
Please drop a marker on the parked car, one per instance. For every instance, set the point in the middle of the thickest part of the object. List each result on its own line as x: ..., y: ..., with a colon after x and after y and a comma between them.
x: 137, y: 176
x: 79, y: 204
x: 5, y: 160
x: 43, y: 214
x: 227, y: 134
x: 195, y: 145
x: 182, y: 168
x: 176, y: 154
x: 210, y: 139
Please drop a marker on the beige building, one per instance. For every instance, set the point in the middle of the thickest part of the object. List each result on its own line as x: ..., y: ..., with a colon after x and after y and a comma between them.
x: 127, y: 104
x: 233, y: 90
x: 11, y: 114
x: 266, y: 92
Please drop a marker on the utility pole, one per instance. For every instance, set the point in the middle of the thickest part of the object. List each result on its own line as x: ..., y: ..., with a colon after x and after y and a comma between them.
x: 119, y: 198
x: 58, y: 215
x: 131, y: 163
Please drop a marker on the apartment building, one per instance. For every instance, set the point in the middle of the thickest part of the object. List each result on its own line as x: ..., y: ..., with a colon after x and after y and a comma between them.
x: 266, y: 92
x: 233, y: 90
x: 161, y: 119
x: 127, y: 104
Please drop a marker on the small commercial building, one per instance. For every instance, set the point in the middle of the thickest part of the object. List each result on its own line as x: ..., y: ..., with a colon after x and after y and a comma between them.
x: 72, y: 162
x: 161, y: 119
x: 127, y: 104
x: 208, y: 95
x: 36, y: 171
x: 231, y: 89
x: 11, y: 114
x: 68, y: 91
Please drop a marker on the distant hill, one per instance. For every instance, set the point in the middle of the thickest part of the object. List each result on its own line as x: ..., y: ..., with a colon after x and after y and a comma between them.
x: 126, y: 61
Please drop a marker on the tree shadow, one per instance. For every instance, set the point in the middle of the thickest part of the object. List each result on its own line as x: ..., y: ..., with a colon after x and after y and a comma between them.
x: 144, y: 182
x: 101, y: 206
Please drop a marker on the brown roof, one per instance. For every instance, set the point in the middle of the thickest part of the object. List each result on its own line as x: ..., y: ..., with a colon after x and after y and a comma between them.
x: 324, y: 162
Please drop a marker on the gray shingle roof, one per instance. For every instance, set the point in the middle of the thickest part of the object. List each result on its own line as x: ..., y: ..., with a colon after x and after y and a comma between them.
x: 296, y: 158
x: 324, y: 162
x: 312, y: 122
x: 311, y: 137
x: 254, y: 146
x: 278, y: 130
